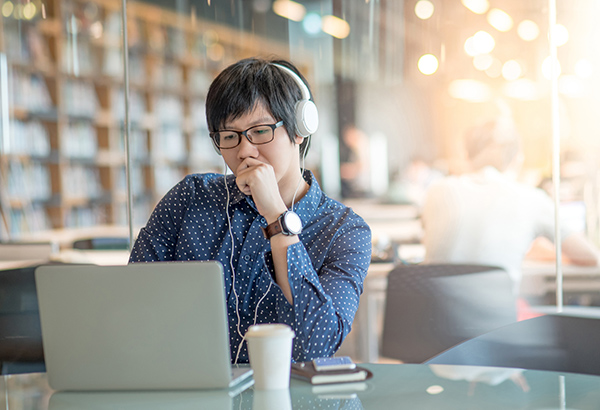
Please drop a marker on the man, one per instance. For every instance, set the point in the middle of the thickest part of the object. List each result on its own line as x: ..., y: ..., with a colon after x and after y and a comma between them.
x: 290, y: 254
x: 486, y: 216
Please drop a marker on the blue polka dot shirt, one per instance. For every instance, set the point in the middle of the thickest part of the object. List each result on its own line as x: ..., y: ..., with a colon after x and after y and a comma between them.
x: 326, y: 269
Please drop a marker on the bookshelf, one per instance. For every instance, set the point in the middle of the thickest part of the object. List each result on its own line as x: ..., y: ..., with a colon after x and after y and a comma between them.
x: 62, y: 164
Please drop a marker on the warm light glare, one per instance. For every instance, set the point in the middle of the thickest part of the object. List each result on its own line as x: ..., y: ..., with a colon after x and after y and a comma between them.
x: 469, y: 90
x: 289, y: 9
x: 511, y: 70
x: 483, y: 42
x: 424, y: 9
x: 483, y: 61
x: 7, y: 9
x: 470, y: 47
x: 500, y: 20
x: 476, y: 6
x: 528, y: 30
x: 584, y: 68
x: 435, y: 389
x: 428, y: 64
x: 560, y: 35
x: 494, y: 70
x: 571, y: 86
x: 547, y: 66
x: 335, y: 26
x: 522, y: 89
x: 29, y: 11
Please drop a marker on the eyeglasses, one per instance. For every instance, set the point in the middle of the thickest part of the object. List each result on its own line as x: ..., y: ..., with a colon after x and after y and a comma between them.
x: 257, y: 135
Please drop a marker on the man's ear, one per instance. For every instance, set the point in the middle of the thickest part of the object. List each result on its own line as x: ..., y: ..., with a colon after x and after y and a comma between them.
x: 299, y: 139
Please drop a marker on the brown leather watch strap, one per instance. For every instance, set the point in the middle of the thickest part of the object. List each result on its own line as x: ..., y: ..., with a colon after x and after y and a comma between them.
x: 272, y: 229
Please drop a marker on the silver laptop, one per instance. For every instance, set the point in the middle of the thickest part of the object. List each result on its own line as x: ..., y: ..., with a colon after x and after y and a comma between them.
x: 145, y: 326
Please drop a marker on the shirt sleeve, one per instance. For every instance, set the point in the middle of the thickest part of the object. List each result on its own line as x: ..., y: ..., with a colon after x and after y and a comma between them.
x: 158, y: 239
x: 542, y: 208
x: 325, y: 302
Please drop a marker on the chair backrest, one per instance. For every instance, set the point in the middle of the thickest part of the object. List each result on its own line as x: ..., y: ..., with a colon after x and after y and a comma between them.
x: 430, y: 308
x: 20, y: 331
x: 102, y: 243
x: 556, y: 342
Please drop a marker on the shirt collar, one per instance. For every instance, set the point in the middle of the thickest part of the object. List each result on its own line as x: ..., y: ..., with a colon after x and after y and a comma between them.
x: 305, y: 208
x: 236, y: 195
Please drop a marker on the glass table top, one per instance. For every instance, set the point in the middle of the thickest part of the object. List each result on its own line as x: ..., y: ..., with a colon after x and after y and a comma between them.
x: 410, y: 386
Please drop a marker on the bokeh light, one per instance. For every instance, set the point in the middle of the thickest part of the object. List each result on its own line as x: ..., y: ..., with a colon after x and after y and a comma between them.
x: 470, y: 47
x: 428, y: 64
x: 335, y: 26
x: 312, y: 23
x: 424, y: 9
x: 511, y: 70
x: 483, y: 42
x: 7, y: 8
x: 476, y: 6
x: 560, y: 35
x: 500, y: 20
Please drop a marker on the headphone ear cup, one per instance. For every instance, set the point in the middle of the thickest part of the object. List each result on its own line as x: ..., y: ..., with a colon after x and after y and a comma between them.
x: 307, y: 118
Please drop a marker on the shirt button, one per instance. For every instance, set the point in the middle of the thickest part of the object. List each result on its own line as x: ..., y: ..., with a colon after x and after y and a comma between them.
x: 263, y: 220
x: 246, y: 257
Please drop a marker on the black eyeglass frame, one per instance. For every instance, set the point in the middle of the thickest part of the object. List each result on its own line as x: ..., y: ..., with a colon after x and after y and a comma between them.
x: 214, y: 135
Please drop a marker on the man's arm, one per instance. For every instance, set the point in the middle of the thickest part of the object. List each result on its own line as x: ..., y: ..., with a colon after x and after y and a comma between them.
x: 324, y: 304
x: 580, y: 250
x: 157, y: 240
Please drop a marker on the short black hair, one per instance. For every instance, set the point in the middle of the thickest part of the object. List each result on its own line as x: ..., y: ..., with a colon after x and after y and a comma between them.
x: 239, y: 87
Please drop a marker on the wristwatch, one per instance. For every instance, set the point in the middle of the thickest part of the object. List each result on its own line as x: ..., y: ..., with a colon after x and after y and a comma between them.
x: 288, y: 223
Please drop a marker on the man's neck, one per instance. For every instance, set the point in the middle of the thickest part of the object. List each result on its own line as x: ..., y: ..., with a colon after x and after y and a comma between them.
x: 295, y: 192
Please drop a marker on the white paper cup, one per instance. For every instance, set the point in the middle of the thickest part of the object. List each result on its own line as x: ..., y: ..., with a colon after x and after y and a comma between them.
x: 270, y: 352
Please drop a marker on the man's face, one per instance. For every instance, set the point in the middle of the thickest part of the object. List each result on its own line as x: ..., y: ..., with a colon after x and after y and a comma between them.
x: 280, y: 153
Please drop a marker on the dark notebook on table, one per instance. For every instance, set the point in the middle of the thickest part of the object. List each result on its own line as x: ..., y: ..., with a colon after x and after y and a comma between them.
x: 306, y: 371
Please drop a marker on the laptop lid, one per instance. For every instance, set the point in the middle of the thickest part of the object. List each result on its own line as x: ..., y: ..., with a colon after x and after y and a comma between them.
x: 160, y: 325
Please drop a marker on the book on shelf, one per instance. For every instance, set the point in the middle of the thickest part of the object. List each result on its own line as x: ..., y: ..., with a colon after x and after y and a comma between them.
x: 306, y: 371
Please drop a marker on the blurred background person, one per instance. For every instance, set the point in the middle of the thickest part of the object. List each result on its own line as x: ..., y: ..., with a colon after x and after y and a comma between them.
x: 412, y: 183
x: 485, y: 216
x: 354, y: 163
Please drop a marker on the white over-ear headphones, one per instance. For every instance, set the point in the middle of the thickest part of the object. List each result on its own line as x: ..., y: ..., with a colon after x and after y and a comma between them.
x: 307, y: 116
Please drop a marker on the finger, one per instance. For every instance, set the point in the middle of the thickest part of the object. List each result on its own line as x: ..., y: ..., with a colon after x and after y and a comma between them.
x: 247, y: 163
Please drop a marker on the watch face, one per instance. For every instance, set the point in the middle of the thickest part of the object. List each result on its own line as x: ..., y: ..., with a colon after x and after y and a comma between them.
x: 292, y: 223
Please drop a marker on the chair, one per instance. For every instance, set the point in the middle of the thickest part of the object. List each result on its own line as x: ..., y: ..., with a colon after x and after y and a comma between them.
x: 430, y: 308
x: 21, y: 348
x: 557, y: 342
x: 102, y: 243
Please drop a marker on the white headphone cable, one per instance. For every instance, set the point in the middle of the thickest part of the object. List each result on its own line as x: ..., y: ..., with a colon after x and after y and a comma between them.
x: 239, y: 349
x: 301, y: 173
x: 237, y: 310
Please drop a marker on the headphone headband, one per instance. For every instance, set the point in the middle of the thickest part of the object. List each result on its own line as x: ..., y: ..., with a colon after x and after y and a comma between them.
x: 307, y: 116
x: 297, y: 79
